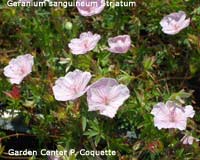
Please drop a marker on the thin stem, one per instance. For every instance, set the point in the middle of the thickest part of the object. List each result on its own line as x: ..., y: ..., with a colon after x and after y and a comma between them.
x: 173, y: 78
x: 8, y: 51
x: 77, y: 103
x: 14, y: 135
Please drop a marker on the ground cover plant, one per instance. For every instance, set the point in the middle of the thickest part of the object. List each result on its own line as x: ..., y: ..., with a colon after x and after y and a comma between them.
x: 124, y: 79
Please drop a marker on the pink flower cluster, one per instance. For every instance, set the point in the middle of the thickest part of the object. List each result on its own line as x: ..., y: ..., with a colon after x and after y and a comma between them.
x: 171, y: 24
x: 88, y: 41
x: 105, y: 95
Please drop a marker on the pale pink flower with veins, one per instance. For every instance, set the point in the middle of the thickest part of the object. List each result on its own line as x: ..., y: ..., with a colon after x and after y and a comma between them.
x: 171, y: 115
x: 187, y: 139
x: 72, y: 86
x: 90, y: 7
x: 119, y: 44
x: 19, y: 68
x: 106, y: 96
x: 85, y: 43
x: 174, y: 23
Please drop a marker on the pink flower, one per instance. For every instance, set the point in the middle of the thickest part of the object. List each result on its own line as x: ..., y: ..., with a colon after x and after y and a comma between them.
x: 19, y: 68
x: 187, y: 139
x: 106, y: 95
x: 85, y: 43
x: 174, y: 23
x: 119, y: 44
x: 171, y: 115
x: 72, y: 86
x: 90, y: 7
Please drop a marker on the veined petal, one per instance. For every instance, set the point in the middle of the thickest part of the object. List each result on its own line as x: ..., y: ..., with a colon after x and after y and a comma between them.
x: 106, y: 95
x: 189, y: 111
x: 19, y: 68
x: 119, y: 44
x: 85, y: 43
x: 174, y: 23
x: 72, y: 86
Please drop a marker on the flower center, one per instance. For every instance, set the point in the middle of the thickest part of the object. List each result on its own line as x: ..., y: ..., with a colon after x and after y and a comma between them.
x: 86, y: 44
x: 173, y: 116
x: 176, y: 27
x: 22, y: 71
x: 106, y: 101
x: 75, y: 89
